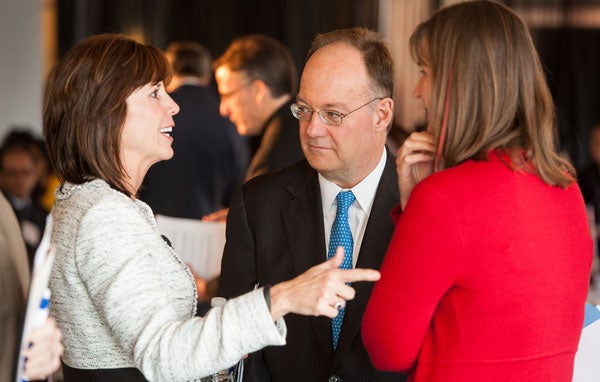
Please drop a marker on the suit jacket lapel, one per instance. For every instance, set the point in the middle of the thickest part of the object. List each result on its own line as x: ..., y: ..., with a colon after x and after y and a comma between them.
x: 303, y: 224
x: 377, y: 235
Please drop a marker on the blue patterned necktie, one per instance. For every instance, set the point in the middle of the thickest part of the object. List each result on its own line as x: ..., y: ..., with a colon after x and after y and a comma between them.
x: 341, y: 236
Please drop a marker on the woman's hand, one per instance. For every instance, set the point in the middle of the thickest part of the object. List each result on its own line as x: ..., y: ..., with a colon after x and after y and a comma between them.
x: 43, y: 354
x: 320, y: 291
x: 414, y: 163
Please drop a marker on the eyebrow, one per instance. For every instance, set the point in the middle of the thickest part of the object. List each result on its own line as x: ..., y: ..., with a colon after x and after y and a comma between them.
x: 328, y: 106
x: 155, y: 85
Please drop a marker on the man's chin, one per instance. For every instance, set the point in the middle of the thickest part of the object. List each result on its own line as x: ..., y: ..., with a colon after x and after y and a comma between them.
x: 241, y: 130
x: 318, y: 162
x: 245, y: 130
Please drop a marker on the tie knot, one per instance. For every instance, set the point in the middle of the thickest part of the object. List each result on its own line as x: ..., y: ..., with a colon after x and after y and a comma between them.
x: 344, y: 200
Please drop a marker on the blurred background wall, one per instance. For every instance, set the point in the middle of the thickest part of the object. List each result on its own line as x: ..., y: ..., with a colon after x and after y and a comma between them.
x: 21, y: 64
x: 33, y: 33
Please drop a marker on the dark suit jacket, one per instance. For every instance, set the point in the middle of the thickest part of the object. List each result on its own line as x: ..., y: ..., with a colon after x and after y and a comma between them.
x: 280, y: 143
x: 208, y: 161
x: 274, y: 233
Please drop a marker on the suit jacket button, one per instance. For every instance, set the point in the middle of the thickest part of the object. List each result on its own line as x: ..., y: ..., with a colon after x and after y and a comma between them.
x: 335, y: 378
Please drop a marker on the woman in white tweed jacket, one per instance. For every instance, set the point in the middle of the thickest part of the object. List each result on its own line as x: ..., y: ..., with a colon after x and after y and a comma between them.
x: 123, y: 299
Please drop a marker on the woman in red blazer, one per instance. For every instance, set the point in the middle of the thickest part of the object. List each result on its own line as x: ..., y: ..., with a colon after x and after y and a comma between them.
x: 486, y: 276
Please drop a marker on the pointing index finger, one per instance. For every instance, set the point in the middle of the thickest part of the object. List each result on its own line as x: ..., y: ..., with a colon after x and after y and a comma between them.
x: 359, y: 274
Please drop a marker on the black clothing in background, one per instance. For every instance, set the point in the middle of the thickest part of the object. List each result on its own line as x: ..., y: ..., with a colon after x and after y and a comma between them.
x: 589, y: 183
x: 209, y: 160
x: 280, y: 144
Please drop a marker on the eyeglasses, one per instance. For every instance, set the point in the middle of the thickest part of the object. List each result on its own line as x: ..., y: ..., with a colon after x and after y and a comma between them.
x: 236, y: 90
x: 329, y: 117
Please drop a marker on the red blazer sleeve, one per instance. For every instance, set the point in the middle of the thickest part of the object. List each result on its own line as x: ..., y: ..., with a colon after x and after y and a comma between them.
x: 421, y: 264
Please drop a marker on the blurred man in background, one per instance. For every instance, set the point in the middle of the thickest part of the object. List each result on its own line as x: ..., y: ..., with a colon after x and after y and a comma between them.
x: 210, y: 157
x: 19, y: 176
x: 257, y: 81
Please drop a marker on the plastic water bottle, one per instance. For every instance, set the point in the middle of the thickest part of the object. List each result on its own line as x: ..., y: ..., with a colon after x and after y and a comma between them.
x: 223, y: 375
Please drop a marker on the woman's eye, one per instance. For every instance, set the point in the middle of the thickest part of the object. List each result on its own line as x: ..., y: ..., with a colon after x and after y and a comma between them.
x: 154, y: 94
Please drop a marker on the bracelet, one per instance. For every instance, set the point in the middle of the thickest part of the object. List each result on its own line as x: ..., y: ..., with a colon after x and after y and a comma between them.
x: 267, y: 294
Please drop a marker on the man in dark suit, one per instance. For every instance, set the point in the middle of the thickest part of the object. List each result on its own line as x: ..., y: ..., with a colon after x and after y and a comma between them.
x: 280, y: 224
x: 209, y: 160
x: 257, y: 80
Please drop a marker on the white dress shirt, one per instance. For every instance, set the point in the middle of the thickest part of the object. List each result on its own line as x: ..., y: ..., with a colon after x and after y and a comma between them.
x: 360, y: 209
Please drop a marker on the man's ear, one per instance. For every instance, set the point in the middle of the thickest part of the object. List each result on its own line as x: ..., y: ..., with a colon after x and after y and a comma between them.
x: 261, y: 90
x: 384, y: 112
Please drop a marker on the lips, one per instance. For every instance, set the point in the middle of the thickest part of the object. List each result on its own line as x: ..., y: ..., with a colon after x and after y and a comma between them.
x: 316, y: 146
x: 166, y: 131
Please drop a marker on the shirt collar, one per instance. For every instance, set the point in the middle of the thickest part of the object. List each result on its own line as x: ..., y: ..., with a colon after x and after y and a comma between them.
x: 363, y: 191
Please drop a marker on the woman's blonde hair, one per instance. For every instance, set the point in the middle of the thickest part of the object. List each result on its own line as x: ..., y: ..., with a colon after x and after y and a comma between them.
x: 487, y: 74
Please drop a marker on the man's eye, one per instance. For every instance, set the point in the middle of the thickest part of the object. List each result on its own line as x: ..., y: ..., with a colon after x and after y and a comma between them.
x: 333, y: 115
x: 304, y: 110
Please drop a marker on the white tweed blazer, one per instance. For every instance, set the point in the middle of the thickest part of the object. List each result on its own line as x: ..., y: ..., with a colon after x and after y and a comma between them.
x: 124, y: 299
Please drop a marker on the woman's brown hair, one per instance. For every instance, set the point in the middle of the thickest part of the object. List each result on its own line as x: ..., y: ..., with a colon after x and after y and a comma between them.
x: 84, y: 107
x: 487, y: 74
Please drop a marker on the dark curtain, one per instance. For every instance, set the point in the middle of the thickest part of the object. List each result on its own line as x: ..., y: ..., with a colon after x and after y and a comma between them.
x: 213, y: 23
x: 570, y: 54
x: 572, y: 61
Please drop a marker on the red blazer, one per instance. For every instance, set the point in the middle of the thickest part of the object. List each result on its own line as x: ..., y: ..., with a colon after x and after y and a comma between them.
x: 485, y: 279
